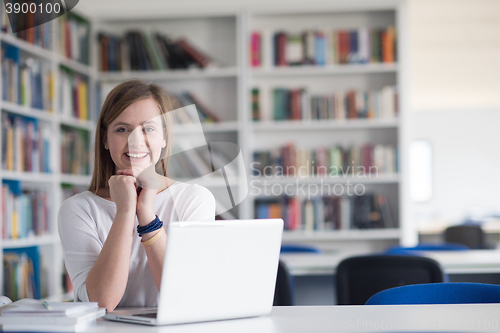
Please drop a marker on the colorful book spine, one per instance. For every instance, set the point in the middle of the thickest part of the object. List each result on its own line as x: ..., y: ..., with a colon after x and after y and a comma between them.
x: 74, y: 32
x: 326, y: 47
x: 40, y: 35
x: 74, y: 99
x: 255, y: 49
x: 138, y: 50
x: 74, y: 151
x: 26, y: 144
x: 25, y: 275
x: 26, y: 80
x: 320, y: 213
x: 366, y: 160
x: 25, y: 211
x: 299, y: 104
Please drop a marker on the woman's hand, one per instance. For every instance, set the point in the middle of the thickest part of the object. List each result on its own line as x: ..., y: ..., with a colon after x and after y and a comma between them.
x: 122, y: 189
x: 150, y: 182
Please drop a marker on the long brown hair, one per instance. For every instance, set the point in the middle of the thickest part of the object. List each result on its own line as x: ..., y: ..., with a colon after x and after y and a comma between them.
x: 118, y: 100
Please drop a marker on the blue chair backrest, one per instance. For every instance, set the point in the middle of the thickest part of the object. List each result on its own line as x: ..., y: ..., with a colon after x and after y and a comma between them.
x: 398, y: 249
x: 438, y: 293
x: 299, y: 249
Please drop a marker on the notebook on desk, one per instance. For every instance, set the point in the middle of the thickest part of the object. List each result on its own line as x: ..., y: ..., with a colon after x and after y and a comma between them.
x: 213, y: 271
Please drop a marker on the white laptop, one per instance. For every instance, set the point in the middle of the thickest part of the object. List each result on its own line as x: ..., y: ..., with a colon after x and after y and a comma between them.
x: 213, y: 271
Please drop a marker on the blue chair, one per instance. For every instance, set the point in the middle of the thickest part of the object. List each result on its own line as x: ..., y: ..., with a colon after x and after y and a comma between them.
x: 398, y: 249
x: 299, y: 248
x: 438, y: 293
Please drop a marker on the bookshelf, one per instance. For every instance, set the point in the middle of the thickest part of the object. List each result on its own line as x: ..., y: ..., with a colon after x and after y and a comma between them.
x: 265, y: 75
x: 225, y: 87
x: 218, y: 37
x: 32, y: 181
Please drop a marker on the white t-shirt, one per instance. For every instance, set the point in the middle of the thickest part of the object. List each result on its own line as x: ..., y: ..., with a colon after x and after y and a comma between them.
x: 84, y: 221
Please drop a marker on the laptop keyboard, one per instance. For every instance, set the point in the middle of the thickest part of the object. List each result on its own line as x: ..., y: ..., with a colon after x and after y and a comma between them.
x: 147, y: 315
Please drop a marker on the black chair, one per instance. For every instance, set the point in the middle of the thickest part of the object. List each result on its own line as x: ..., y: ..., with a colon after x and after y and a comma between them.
x: 470, y: 235
x: 283, y: 293
x: 359, y: 278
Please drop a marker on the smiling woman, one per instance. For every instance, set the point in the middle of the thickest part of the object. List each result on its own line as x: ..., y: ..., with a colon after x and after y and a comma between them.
x: 114, y: 232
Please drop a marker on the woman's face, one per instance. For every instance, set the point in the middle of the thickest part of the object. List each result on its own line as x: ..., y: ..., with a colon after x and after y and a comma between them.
x: 135, y: 138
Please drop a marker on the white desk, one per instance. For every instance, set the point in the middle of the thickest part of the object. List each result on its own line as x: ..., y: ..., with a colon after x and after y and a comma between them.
x: 453, y: 262
x: 408, y: 318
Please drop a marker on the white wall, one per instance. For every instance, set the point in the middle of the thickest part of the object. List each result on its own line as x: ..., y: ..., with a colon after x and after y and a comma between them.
x: 455, y: 103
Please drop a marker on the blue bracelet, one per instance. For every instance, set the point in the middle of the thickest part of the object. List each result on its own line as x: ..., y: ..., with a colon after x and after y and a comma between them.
x: 154, y: 225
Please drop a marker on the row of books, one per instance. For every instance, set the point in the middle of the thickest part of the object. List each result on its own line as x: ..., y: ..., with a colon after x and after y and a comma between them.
x: 40, y: 35
x: 205, y: 113
x: 74, y: 98
x: 74, y: 39
x: 25, y: 144
x: 366, y: 160
x: 26, y: 81
x: 367, y: 211
x: 24, y: 275
x: 139, y: 50
x: 75, y: 154
x: 299, y: 104
x: 25, y: 212
x: 323, y: 47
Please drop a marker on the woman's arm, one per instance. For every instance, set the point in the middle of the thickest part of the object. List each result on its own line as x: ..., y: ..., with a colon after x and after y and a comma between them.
x: 156, y: 250
x: 192, y: 203
x: 107, y: 280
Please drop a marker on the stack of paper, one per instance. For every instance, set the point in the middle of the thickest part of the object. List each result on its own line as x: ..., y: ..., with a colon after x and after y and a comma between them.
x: 29, y: 315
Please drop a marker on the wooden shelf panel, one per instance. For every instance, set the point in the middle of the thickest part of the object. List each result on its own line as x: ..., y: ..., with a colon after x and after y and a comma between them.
x: 361, y: 234
x: 31, y: 177
x: 179, y: 74
x: 325, y: 124
x: 34, y: 50
x: 31, y: 241
x: 324, y: 70
x: 380, y: 179
x: 27, y: 111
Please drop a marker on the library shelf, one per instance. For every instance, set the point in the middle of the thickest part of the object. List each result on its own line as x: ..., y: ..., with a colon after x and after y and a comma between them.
x: 304, y: 70
x: 368, y: 179
x: 49, y: 245
x: 178, y: 74
x: 78, y: 123
x: 30, y: 241
x: 323, y: 124
x: 27, y: 111
x: 32, y: 177
x: 342, y: 235
x: 32, y: 49
x: 224, y: 126
x: 75, y: 65
x: 265, y: 48
x: 74, y: 179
